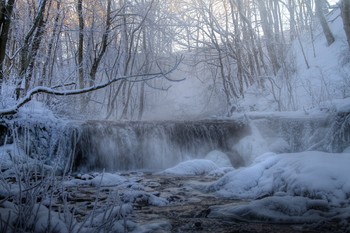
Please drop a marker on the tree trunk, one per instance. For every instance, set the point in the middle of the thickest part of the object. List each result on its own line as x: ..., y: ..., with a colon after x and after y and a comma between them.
x: 80, y: 43
x: 270, y: 38
x: 345, y: 14
x: 5, y: 22
x: 147, y: 69
x: 326, y: 30
x: 50, y: 49
x: 30, y: 48
x: 292, y: 23
x: 141, y: 101
x: 35, y: 47
x: 103, y: 47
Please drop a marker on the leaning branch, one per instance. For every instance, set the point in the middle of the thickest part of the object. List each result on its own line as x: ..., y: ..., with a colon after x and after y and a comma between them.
x: 52, y: 91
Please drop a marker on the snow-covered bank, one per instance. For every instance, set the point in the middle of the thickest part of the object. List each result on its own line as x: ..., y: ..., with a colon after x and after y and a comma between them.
x: 316, y: 175
x: 293, y: 188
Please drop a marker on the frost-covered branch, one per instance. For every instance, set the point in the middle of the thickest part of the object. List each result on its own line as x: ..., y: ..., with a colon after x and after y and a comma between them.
x: 52, y: 91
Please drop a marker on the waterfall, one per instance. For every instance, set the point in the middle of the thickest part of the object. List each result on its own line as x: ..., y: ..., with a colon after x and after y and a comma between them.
x: 155, y: 145
x: 151, y: 145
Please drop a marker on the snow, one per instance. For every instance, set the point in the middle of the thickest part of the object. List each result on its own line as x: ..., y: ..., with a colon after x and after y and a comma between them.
x: 41, y: 219
x: 347, y: 150
x: 161, y: 225
x: 276, y: 209
x: 292, y: 188
x: 221, y: 171
x: 216, y: 163
x: 251, y: 146
x: 103, y: 179
x: 311, y: 174
x: 192, y: 168
x: 107, y: 179
x: 116, y: 215
x: 341, y: 105
x: 6, y: 156
x: 116, y: 212
x: 45, y: 220
x: 287, y: 188
x: 321, y: 85
x: 219, y: 158
x: 137, y: 196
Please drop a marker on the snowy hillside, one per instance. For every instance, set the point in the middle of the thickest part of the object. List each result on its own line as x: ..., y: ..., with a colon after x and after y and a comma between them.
x: 314, y: 75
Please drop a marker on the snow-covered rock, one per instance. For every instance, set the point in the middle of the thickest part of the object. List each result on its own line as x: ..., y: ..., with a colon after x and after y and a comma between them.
x: 316, y: 175
x: 219, y: 158
x: 295, y: 188
x: 192, y: 168
x: 98, y: 179
x: 275, y: 209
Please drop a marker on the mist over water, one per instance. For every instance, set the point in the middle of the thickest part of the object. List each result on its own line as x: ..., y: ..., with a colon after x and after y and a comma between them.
x: 156, y: 145
x: 152, y: 145
x: 195, y: 97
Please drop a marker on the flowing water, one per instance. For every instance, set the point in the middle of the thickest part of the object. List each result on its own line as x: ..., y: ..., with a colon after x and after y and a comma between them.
x: 152, y: 145
x: 156, y: 145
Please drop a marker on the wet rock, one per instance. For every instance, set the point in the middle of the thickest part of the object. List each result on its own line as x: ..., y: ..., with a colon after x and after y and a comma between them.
x: 198, y: 226
x: 152, y: 184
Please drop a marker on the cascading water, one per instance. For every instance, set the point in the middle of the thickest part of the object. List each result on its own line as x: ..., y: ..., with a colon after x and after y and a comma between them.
x: 283, y: 134
x: 154, y: 145
x: 151, y: 145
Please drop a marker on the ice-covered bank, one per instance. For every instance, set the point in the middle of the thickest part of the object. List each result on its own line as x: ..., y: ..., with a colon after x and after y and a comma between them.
x: 313, y: 174
x: 311, y: 188
x: 306, y: 187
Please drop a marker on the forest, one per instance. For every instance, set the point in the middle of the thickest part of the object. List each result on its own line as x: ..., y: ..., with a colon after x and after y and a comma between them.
x: 116, y: 57
x: 174, y: 116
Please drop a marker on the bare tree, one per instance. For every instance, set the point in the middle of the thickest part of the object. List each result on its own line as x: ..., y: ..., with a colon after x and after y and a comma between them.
x: 29, y: 49
x: 326, y: 30
x: 267, y: 24
x: 6, y: 10
x: 345, y: 14
x: 81, y: 43
x: 51, y: 48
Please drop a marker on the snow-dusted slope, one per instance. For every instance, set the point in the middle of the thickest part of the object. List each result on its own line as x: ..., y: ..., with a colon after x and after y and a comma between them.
x: 313, y: 74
